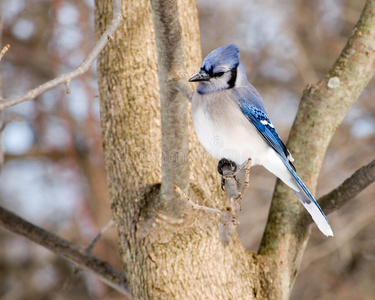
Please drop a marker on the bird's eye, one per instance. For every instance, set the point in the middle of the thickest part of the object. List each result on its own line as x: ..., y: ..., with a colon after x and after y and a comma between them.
x: 219, y: 74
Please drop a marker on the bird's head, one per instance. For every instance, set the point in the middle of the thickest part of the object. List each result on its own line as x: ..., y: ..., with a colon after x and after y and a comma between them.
x: 218, y: 70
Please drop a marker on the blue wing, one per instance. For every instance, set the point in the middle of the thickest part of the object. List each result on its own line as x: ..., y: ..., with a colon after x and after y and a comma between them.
x: 251, y: 105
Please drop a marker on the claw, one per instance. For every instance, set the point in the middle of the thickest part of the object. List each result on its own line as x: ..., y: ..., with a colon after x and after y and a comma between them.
x: 222, y: 183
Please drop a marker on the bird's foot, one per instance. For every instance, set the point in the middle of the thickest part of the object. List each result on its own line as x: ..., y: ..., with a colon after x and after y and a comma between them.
x: 226, y: 164
x: 226, y: 167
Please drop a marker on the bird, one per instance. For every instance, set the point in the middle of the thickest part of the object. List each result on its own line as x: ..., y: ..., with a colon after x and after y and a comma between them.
x: 232, y: 124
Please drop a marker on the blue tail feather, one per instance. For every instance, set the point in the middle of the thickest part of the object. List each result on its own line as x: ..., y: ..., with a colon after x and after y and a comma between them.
x: 309, y: 202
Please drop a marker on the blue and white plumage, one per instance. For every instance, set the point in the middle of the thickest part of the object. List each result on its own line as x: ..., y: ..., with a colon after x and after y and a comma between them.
x: 232, y: 123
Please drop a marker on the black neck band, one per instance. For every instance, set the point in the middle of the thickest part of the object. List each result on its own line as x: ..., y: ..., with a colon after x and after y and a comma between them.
x: 233, y: 77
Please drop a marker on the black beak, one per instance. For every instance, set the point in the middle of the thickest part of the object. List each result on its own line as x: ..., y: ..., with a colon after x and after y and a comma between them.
x: 201, y: 76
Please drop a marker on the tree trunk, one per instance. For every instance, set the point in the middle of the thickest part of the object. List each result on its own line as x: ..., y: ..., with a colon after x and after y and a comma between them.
x: 164, y: 255
x: 176, y: 253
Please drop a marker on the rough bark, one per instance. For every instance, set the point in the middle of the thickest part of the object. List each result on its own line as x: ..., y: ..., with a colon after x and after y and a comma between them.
x: 174, y: 107
x: 169, y: 250
x: 169, y: 254
x: 164, y: 255
x: 130, y: 118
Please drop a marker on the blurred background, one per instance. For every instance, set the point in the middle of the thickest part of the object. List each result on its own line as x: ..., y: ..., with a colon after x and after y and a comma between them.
x: 54, y: 173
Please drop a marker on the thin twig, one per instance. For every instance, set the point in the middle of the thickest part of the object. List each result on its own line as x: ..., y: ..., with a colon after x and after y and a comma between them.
x: 229, y: 221
x: 88, y: 249
x: 195, y: 205
x: 247, y: 176
x: 98, y: 235
x: 69, y: 280
x: 4, y: 50
x: 246, y: 183
x: 69, y: 251
x: 82, y: 68
x: 231, y: 186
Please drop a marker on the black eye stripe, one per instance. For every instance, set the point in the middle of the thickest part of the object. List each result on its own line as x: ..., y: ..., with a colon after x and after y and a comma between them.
x: 219, y: 74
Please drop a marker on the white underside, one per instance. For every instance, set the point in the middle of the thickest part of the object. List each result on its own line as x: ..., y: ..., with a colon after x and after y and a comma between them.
x: 235, y: 138
x: 240, y: 140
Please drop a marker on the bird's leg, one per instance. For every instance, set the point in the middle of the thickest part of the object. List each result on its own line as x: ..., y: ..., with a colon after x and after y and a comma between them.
x: 227, y: 167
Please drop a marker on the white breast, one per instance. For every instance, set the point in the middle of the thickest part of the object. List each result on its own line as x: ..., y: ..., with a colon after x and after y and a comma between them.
x: 224, y: 131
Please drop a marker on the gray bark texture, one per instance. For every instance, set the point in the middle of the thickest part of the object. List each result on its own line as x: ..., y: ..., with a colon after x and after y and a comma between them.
x: 169, y: 250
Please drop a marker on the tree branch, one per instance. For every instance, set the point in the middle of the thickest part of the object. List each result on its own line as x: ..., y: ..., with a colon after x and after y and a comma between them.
x: 229, y: 219
x: 350, y: 188
x: 229, y: 215
x: 82, y: 258
x: 173, y: 106
x: 82, y: 68
x: 98, y: 235
x: 183, y: 87
x: 4, y: 50
x: 321, y: 110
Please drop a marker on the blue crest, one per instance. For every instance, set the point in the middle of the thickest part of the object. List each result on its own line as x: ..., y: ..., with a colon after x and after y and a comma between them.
x: 221, y: 59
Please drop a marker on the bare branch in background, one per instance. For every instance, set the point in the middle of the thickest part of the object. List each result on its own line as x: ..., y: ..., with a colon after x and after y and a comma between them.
x: 82, y: 258
x: 345, y: 192
x: 350, y: 188
x: 88, y: 250
x: 82, y: 68
x: 4, y: 50
x: 98, y: 236
x: 3, y: 118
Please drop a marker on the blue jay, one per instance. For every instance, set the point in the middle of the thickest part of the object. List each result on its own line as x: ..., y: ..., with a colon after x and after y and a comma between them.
x: 231, y: 123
